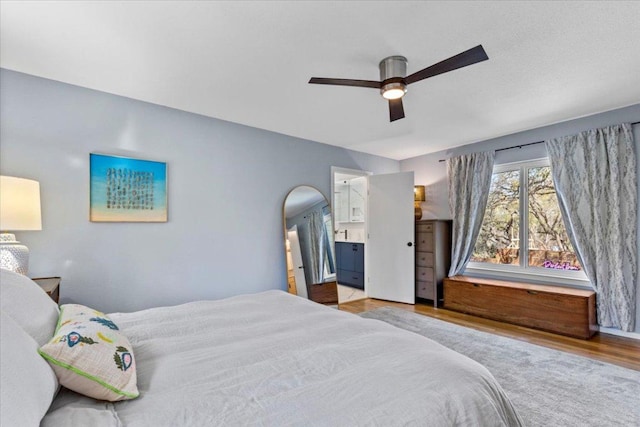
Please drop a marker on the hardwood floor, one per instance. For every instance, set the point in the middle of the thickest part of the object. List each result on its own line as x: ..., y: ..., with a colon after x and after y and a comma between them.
x: 604, y: 347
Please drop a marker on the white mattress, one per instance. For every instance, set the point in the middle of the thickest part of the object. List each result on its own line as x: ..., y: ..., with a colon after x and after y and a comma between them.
x: 274, y: 359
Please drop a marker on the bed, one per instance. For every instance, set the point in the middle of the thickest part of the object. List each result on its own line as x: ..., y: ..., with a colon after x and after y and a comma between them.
x: 268, y: 359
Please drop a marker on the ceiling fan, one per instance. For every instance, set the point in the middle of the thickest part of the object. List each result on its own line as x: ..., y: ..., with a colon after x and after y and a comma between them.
x: 394, y: 80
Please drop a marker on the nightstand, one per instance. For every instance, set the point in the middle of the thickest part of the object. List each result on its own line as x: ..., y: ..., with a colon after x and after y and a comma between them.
x: 51, y: 286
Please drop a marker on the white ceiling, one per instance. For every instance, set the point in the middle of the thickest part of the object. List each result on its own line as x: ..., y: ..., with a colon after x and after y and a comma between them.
x: 249, y: 62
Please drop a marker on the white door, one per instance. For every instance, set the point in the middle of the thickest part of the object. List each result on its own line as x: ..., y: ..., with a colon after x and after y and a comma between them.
x: 296, y: 258
x: 390, y: 251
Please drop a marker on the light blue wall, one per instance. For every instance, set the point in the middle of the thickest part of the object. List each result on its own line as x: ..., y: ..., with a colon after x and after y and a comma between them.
x: 227, y: 184
x: 432, y: 173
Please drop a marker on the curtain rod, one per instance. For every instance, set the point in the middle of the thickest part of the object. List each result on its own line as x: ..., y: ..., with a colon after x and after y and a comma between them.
x: 524, y: 145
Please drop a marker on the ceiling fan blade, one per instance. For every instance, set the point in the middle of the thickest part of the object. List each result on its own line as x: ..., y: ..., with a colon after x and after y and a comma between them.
x: 396, y: 110
x: 345, y: 82
x: 468, y: 57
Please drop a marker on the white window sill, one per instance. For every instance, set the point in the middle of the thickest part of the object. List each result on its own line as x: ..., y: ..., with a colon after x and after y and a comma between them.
x: 539, y: 276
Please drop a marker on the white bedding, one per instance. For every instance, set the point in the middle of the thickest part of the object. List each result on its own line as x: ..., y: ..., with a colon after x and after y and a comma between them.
x: 274, y: 359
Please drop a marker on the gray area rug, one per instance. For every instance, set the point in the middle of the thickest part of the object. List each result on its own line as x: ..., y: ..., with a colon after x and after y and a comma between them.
x: 547, y: 387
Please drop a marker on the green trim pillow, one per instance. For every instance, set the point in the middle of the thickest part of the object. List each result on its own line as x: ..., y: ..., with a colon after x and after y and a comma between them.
x: 91, y: 356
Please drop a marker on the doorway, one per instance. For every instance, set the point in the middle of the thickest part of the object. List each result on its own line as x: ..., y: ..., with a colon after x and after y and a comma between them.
x: 349, y: 199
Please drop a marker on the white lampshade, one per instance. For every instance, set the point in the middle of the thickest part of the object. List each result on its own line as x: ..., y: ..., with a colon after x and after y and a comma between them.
x: 19, y: 204
x: 19, y: 210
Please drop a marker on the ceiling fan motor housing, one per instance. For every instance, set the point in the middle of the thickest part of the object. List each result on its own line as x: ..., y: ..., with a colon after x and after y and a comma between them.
x: 393, y: 68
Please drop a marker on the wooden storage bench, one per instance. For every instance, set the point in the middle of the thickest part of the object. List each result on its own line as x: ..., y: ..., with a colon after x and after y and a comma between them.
x: 565, y: 311
x: 324, y: 293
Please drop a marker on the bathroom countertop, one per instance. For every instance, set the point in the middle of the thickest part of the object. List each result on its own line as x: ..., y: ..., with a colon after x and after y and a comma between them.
x: 348, y: 241
x: 354, y: 235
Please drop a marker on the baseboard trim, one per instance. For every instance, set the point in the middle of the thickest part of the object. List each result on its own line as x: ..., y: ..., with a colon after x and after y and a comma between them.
x: 618, y: 332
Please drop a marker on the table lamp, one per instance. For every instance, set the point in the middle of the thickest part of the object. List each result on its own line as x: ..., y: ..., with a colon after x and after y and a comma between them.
x: 418, y: 197
x: 19, y: 210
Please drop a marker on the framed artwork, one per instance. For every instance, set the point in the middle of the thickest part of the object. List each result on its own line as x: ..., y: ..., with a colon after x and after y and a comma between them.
x: 127, y: 190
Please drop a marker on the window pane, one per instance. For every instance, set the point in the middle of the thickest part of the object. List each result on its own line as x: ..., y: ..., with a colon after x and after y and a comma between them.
x: 498, y: 242
x: 549, y: 244
x: 329, y: 267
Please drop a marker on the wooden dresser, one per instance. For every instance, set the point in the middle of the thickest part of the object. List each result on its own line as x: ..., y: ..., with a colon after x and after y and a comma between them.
x: 433, y: 258
x: 561, y: 310
x: 51, y: 285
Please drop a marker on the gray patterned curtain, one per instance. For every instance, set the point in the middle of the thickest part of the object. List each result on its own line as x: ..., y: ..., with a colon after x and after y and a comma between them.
x: 316, y: 247
x: 469, y: 179
x: 594, y: 173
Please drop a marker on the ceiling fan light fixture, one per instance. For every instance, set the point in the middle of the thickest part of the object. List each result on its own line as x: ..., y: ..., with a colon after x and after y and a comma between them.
x: 393, y: 69
x: 393, y: 90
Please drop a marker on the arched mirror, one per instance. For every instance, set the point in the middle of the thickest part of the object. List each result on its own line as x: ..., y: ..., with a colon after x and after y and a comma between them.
x: 308, y: 236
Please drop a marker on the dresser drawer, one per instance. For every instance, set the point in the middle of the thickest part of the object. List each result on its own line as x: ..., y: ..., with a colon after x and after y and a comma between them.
x: 424, y: 259
x: 425, y: 290
x: 424, y: 242
x: 424, y: 228
x: 292, y: 285
x: 424, y: 274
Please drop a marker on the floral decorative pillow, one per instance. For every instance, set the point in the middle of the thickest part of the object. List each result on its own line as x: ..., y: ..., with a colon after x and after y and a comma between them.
x: 91, y: 356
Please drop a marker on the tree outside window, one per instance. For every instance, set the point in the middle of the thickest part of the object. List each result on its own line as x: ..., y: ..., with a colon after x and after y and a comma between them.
x: 524, y: 194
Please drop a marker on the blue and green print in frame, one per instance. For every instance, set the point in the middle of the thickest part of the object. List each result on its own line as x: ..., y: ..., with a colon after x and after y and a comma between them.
x: 127, y: 190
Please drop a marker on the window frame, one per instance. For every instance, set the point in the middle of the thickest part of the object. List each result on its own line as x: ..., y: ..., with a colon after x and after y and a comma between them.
x: 524, y: 271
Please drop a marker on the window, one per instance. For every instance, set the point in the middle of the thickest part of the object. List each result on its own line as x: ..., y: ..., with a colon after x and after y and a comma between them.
x: 522, y: 230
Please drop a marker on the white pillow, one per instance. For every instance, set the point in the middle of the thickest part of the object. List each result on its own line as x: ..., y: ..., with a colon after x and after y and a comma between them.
x: 28, y: 382
x: 29, y: 305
